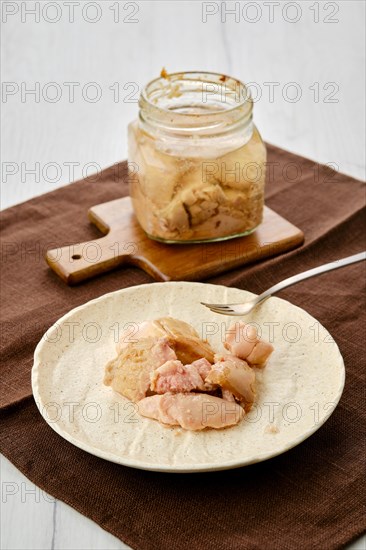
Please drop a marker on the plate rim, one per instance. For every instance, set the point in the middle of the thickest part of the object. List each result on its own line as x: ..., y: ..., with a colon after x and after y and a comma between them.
x: 158, y: 467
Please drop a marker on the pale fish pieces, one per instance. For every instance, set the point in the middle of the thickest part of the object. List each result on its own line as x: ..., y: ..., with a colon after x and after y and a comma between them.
x: 129, y: 372
x: 174, y: 377
x: 181, y: 336
x: 185, y: 340
x: 242, y: 340
x: 135, y: 332
x: 234, y: 374
x: 203, y: 366
x: 227, y: 395
x: 191, y: 411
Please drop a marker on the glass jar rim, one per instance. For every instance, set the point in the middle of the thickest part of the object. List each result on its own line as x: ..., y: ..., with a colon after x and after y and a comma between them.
x: 225, y: 101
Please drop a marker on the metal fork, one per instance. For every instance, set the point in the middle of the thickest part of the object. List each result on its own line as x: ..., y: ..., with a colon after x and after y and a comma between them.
x: 244, y: 309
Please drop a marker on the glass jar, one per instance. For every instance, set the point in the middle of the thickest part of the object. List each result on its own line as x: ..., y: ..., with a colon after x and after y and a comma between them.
x: 197, y: 162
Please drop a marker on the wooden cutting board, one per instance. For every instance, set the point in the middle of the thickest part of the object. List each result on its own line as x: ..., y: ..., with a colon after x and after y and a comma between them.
x: 124, y: 242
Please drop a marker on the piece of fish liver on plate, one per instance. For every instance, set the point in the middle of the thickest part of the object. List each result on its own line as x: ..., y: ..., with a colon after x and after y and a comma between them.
x: 129, y: 372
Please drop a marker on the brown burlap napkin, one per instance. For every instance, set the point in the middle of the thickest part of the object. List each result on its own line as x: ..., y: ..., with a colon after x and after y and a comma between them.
x: 308, y: 498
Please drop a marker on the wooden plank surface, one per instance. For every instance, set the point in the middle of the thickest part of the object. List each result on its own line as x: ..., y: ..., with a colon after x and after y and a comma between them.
x: 126, y: 243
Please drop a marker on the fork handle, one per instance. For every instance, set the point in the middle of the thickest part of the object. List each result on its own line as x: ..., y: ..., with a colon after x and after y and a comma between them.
x: 310, y: 273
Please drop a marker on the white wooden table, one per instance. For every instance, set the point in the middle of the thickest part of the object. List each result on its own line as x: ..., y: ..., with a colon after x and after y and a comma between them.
x: 86, y: 63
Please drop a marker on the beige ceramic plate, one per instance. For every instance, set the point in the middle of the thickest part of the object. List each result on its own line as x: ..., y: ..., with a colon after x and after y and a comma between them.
x: 297, y: 391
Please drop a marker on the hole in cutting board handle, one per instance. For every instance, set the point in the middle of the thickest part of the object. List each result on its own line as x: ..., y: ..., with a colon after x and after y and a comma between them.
x: 76, y: 257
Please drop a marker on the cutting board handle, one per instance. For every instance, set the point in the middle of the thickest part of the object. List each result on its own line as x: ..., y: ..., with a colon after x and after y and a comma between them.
x: 78, y: 262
